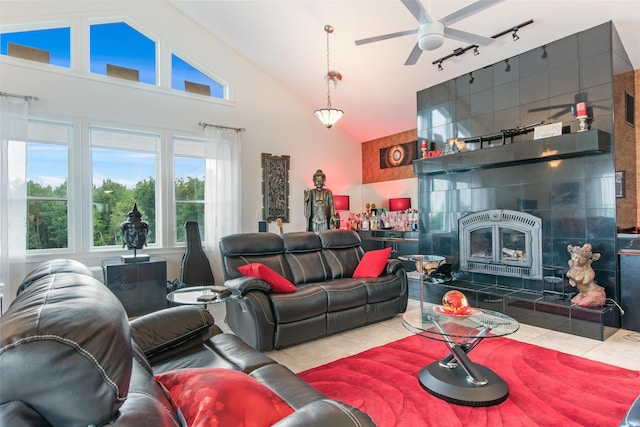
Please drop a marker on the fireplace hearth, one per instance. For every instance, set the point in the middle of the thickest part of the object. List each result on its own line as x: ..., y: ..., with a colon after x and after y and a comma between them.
x: 501, y: 242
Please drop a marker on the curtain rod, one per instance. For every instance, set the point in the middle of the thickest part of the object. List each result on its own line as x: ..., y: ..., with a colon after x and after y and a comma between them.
x: 25, y: 97
x: 203, y: 124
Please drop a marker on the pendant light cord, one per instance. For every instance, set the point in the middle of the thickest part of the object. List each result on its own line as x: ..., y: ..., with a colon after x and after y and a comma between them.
x: 328, y: 29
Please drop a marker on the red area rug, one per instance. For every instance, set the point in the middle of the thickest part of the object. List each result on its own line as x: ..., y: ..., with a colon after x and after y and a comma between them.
x: 546, y: 387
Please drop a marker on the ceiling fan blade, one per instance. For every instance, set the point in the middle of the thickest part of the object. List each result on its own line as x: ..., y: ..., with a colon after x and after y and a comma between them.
x: 414, y: 55
x: 560, y: 113
x: 385, y: 37
x: 417, y: 10
x: 464, y: 36
x: 468, y: 10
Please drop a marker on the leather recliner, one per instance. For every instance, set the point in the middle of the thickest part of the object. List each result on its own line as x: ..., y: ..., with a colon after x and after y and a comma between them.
x: 328, y: 299
x: 70, y: 357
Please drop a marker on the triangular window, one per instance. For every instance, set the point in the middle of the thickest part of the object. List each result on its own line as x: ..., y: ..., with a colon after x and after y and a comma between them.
x: 119, y: 50
x: 188, y: 78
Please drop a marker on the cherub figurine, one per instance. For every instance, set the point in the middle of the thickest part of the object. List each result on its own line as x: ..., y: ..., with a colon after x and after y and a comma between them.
x: 581, y: 275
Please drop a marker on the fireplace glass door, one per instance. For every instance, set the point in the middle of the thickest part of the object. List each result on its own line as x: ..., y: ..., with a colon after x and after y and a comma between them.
x: 501, y: 242
x: 498, y: 245
x: 482, y: 243
x: 513, y: 246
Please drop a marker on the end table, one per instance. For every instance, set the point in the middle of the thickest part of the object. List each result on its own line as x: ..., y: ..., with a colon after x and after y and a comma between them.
x: 140, y: 286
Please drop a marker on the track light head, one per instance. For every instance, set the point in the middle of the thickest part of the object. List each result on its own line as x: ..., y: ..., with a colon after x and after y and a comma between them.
x: 506, y: 61
x: 515, y: 35
x: 471, y: 79
x: 475, y: 51
x: 440, y: 66
x: 544, y: 52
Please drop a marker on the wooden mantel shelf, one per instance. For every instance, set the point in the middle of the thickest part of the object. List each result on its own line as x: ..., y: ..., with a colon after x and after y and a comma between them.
x: 538, y: 150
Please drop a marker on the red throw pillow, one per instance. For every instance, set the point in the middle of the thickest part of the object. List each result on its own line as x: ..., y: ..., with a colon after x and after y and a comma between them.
x: 278, y: 283
x: 372, y: 263
x: 223, y: 397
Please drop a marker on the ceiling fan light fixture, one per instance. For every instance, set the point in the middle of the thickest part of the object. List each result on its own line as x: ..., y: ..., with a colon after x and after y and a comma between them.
x: 431, y: 35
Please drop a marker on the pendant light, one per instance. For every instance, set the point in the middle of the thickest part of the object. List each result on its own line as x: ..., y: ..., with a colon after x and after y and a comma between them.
x: 329, y: 116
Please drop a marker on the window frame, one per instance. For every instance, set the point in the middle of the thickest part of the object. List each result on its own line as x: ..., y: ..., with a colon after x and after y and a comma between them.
x: 194, y: 143
x: 140, y: 29
x: 70, y: 184
x: 80, y: 58
x: 152, y: 148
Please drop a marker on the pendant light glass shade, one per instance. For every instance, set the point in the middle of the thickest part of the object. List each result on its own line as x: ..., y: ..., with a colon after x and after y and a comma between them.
x: 328, y: 116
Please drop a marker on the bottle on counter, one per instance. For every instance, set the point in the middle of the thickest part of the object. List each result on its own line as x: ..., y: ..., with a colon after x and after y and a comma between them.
x: 365, y: 223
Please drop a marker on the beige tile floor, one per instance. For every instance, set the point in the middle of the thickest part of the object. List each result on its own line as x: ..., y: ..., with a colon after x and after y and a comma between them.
x: 621, y: 349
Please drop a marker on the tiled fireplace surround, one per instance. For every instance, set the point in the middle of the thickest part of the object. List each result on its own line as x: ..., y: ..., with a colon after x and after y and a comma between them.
x: 571, y: 191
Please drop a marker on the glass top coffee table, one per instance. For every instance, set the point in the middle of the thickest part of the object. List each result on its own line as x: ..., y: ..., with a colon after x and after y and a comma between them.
x: 455, y: 378
x: 202, y: 295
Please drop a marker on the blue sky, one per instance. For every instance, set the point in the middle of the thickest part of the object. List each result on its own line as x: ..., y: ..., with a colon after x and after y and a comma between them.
x: 114, y: 43
x: 48, y: 166
x: 118, y: 44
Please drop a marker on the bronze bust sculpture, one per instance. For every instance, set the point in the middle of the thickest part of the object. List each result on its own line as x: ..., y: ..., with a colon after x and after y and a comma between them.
x: 134, y: 231
x: 318, y: 205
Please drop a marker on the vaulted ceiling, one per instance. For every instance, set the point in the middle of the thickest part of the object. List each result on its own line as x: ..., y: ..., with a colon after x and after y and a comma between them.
x: 286, y: 39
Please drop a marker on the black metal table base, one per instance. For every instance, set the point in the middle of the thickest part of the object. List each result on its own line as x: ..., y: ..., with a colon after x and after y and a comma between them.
x: 451, y: 385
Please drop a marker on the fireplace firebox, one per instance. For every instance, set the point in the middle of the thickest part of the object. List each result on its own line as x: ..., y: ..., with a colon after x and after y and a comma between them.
x: 501, y: 242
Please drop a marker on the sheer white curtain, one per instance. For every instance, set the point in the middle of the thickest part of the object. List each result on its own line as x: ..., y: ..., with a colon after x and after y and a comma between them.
x: 223, y: 189
x: 13, y: 190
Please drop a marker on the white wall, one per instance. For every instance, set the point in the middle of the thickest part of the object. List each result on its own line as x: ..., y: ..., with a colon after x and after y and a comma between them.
x: 276, y: 121
x: 380, y: 192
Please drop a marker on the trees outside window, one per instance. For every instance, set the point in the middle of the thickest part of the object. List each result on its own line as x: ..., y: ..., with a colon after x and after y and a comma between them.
x: 123, y: 173
x: 189, y: 182
x: 46, y: 176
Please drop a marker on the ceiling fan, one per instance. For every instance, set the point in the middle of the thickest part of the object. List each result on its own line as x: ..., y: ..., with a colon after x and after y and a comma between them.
x: 431, y: 32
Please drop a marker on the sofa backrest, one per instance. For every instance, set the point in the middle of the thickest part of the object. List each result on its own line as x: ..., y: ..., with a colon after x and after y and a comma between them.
x: 246, y: 248
x: 342, y: 250
x: 303, y: 252
x: 46, y: 268
x: 65, y: 351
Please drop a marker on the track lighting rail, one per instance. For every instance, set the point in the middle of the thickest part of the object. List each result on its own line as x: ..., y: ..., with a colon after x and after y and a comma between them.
x: 461, y: 50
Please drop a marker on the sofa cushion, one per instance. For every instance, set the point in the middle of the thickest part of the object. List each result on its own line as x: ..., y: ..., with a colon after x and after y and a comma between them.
x: 384, y: 288
x: 277, y: 282
x: 344, y: 293
x: 246, y: 248
x: 303, y: 252
x: 223, y: 397
x: 147, y: 403
x: 342, y: 251
x: 372, y: 263
x: 307, y: 302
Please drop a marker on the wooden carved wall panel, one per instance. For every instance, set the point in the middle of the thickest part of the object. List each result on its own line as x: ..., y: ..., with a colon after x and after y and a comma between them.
x: 275, y: 187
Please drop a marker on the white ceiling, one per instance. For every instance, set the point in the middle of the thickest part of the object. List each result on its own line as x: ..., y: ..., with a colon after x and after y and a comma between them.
x: 286, y: 38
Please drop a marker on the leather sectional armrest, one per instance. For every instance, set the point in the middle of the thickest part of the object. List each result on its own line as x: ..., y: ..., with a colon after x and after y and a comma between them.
x: 165, y: 329
x: 393, y: 265
x: 245, y: 284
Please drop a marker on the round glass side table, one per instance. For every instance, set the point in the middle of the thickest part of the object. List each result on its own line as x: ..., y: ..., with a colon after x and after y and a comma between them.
x: 202, y: 295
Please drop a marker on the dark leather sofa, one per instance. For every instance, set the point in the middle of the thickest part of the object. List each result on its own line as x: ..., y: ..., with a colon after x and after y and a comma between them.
x: 70, y: 357
x: 328, y: 299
